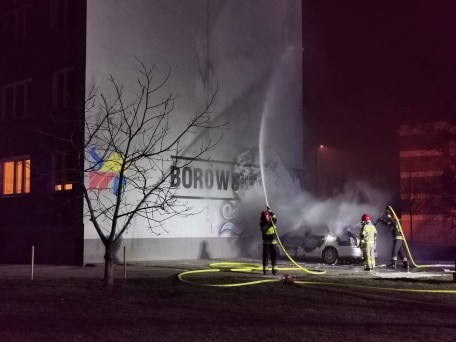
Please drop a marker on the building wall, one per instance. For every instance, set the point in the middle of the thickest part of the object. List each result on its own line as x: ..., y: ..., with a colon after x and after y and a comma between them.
x: 251, y: 52
x: 37, y: 39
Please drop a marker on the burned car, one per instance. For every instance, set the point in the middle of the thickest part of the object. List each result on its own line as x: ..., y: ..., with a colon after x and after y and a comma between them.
x: 329, y: 248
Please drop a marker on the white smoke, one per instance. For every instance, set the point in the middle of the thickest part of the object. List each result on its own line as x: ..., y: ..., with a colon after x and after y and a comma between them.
x: 267, y: 180
x: 298, y: 208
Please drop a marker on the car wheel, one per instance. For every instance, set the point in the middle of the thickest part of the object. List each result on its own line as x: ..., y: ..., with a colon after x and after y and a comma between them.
x: 330, y: 256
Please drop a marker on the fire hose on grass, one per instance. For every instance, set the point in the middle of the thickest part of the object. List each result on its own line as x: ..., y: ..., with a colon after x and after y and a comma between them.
x: 241, y: 267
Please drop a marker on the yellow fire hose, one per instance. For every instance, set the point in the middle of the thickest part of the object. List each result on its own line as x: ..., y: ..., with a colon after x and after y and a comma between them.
x: 292, y: 260
x: 247, y: 268
x: 405, y: 241
x: 252, y: 267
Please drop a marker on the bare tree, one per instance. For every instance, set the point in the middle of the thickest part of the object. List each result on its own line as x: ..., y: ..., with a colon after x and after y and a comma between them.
x: 129, y: 154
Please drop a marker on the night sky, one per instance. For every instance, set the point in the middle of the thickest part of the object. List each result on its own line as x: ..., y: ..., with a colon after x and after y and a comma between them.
x: 370, y: 66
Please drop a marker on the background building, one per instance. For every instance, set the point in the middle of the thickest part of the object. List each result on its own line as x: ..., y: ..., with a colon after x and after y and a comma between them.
x: 428, y: 183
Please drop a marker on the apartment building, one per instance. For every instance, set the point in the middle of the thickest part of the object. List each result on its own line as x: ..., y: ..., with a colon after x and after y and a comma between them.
x: 55, y: 51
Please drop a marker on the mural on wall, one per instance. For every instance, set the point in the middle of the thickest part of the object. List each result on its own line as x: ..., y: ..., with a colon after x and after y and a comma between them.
x: 105, y: 172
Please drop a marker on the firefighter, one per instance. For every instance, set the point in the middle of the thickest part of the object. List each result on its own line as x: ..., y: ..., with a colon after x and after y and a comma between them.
x: 267, y: 225
x: 368, y: 239
x: 398, y: 247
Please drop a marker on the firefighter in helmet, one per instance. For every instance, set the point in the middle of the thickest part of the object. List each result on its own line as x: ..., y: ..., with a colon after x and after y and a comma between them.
x: 398, y: 247
x: 268, y: 231
x: 368, y: 237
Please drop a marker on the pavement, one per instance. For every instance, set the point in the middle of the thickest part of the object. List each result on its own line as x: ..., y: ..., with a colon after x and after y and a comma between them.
x: 168, y: 268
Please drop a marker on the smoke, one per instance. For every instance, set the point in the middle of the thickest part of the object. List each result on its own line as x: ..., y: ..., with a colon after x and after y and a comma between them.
x: 300, y: 211
x: 298, y: 208
x: 266, y: 177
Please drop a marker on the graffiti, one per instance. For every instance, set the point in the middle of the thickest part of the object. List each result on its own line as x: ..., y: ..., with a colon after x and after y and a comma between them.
x: 230, y: 213
x: 105, y: 172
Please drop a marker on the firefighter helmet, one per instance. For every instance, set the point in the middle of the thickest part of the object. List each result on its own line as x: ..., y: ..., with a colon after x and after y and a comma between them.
x: 388, y: 212
x: 365, y: 218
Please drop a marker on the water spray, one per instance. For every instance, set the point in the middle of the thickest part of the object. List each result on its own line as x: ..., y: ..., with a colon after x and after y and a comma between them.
x: 261, y: 145
x: 261, y: 153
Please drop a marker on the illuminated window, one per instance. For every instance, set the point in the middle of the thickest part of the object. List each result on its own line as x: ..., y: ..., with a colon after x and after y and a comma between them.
x: 16, y: 176
x: 64, y: 171
x: 63, y: 88
x: 15, y: 99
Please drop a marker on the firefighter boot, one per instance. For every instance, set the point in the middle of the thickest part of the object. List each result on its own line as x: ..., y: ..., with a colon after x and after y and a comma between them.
x: 274, y: 271
x: 265, y: 270
x: 405, y: 264
x: 393, y: 264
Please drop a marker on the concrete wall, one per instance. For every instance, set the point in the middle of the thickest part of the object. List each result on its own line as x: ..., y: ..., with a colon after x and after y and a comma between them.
x: 249, y: 50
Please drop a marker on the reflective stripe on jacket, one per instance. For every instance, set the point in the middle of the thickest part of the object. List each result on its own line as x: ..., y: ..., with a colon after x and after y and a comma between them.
x: 269, y: 236
x: 267, y: 226
x: 368, y: 235
x: 396, y: 232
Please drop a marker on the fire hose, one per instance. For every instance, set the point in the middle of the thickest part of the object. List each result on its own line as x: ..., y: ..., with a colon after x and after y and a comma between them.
x: 240, y: 267
x: 247, y: 268
x: 405, y: 241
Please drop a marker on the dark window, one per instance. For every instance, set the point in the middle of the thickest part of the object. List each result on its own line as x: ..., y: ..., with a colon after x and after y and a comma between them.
x: 62, y: 13
x: 14, y: 25
x: 63, y: 84
x: 15, y: 100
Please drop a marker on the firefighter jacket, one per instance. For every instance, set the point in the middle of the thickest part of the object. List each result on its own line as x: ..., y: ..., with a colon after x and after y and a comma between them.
x: 267, y: 226
x: 394, y: 225
x: 368, y: 235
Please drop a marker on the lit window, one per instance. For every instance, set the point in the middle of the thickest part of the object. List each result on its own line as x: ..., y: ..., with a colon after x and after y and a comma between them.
x: 64, y: 171
x: 64, y: 187
x: 62, y: 88
x: 16, y: 176
x: 15, y: 99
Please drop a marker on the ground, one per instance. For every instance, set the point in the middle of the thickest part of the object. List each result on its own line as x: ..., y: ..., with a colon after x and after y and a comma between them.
x: 65, y: 303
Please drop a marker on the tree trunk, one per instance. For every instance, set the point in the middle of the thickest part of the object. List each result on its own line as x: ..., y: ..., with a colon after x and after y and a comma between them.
x: 108, y: 280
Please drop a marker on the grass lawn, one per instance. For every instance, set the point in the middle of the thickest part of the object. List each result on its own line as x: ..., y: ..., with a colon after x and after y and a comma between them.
x: 166, y: 309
